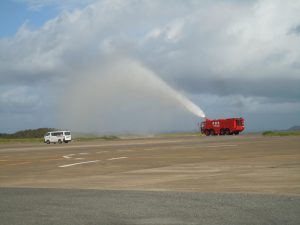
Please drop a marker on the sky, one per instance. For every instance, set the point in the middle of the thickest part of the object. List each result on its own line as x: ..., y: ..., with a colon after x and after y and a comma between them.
x: 118, y: 66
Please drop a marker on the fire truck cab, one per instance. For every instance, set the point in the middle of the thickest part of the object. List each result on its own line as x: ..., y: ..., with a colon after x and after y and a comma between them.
x: 228, y: 126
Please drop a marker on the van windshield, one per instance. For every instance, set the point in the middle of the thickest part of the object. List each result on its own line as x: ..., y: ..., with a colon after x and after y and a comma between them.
x: 67, y: 133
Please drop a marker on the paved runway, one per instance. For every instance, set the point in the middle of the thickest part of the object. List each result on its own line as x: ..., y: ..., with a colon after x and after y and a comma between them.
x: 72, y: 207
x: 188, y: 174
x: 213, y: 164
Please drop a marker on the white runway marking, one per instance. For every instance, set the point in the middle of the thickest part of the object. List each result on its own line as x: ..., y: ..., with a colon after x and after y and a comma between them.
x: 83, y: 153
x: 16, y: 164
x: 149, y: 149
x: 79, y: 163
x: 118, y: 158
x: 101, y: 152
x: 68, y: 156
x: 217, y: 146
x: 124, y: 150
x: 187, y: 147
x: 182, y: 147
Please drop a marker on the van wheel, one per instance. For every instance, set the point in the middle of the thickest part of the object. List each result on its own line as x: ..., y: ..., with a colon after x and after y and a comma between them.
x: 48, y: 142
x: 59, y: 141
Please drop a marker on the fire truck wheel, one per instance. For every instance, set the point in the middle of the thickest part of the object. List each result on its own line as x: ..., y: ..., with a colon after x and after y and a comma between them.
x: 207, y: 132
x: 222, y: 132
x: 227, y: 132
x: 236, y: 133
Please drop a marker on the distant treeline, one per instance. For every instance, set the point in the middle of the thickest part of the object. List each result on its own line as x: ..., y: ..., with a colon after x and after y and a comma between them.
x: 294, y: 128
x: 30, y: 133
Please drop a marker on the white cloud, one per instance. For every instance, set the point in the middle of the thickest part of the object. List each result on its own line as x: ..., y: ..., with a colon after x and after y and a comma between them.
x: 262, y: 34
x: 229, y: 40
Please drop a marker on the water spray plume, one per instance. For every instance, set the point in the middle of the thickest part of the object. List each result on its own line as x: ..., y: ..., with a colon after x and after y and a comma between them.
x: 189, y: 105
x: 181, y: 99
x: 124, y: 96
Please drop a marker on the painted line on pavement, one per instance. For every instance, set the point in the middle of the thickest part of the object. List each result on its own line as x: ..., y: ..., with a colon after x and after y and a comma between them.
x: 51, y: 159
x: 118, y: 158
x: 16, y: 164
x: 217, y: 146
x: 101, y: 152
x: 124, y: 150
x: 188, y: 147
x: 79, y: 163
x: 150, y: 149
x: 68, y: 156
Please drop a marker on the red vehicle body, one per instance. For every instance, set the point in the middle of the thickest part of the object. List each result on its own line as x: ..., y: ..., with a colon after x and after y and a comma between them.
x: 222, y: 126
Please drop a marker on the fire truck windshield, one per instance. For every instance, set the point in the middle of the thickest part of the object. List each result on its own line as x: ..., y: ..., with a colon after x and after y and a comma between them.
x: 239, y: 122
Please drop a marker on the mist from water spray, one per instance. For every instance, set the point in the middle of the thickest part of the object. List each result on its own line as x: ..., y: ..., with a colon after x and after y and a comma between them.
x: 180, y: 98
x: 188, y: 104
x: 124, y: 96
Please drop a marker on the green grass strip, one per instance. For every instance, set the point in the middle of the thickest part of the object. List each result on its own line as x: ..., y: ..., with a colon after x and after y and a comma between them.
x: 281, y: 133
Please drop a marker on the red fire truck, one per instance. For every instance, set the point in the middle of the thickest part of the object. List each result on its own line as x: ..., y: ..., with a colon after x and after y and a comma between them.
x: 222, y: 126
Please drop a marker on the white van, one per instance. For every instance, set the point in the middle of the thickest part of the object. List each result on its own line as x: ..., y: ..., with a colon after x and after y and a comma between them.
x: 57, y: 137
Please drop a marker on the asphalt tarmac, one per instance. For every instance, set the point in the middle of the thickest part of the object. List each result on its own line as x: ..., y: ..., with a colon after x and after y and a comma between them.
x: 54, y: 206
x: 247, y: 179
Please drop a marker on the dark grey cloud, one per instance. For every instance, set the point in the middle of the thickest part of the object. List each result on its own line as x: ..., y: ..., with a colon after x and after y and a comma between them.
x: 295, y: 30
x: 19, y: 100
x: 279, y: 88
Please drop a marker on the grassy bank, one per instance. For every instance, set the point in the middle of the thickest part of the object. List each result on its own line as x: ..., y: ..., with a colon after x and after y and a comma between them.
x: 105, y: 138
x: 180, y: 134
x: 281, y: 133
x: 4, y: 140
